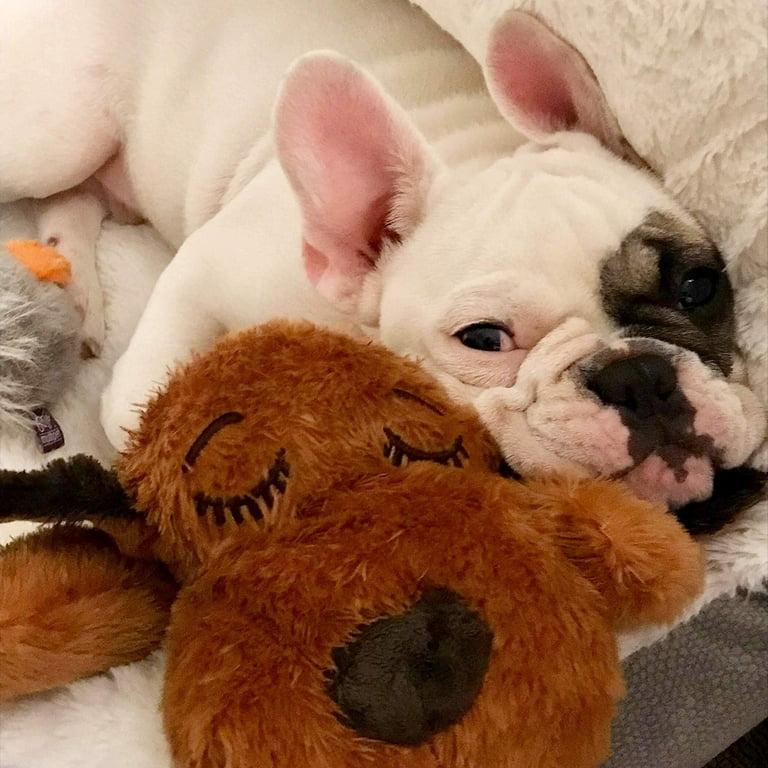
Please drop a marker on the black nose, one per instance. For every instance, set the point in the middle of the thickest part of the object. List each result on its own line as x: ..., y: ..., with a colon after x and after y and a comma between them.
x: 406, y: 677
x: 644, y: 385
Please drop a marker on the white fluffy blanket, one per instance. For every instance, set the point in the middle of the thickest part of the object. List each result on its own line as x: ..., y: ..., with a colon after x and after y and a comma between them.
x: 687, y: 82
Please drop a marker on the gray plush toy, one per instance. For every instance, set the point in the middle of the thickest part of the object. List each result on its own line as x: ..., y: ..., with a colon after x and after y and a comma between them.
x: 39, y: 339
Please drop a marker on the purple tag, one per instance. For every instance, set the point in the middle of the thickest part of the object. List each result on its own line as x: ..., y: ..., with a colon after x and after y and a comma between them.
x: 48, y: 432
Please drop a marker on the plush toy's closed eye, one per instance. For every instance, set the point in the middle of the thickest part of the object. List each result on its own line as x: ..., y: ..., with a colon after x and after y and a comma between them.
x: 399, y: 452
x: 256, y: 503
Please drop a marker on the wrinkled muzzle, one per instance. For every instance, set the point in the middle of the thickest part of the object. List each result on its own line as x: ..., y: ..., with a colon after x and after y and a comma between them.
x: 638, y: 409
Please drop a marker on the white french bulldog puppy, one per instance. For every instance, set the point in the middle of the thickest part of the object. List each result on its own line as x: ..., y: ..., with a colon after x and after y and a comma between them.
x: 557, y: 285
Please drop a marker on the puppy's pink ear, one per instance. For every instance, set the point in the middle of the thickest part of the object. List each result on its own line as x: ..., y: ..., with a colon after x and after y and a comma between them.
x: 542, y: 85
x: 358, y: 166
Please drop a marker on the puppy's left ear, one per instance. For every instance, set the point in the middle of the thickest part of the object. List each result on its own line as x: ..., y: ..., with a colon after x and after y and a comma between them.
x: 541, y: 84
x: 359, y: 167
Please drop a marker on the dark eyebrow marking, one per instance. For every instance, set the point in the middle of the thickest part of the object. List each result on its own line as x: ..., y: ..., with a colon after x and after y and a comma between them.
x: 405, y: 394
x: 231, y: 417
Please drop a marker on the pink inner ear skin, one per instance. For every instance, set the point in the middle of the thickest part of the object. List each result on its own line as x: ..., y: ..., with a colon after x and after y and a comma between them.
x: 348, y: 151
x: 532, y: 80
x: 542, y: 85
x: 315, y: 263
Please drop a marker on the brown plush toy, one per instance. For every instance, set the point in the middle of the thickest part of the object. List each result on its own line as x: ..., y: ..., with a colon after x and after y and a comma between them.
x: 359, y: 584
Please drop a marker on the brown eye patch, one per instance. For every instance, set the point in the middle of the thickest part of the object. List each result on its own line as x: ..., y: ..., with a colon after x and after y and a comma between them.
x: 396, y: 449
x: 257, y: 501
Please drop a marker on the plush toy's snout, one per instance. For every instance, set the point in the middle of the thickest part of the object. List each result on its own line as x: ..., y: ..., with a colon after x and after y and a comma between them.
x: 407, y: 677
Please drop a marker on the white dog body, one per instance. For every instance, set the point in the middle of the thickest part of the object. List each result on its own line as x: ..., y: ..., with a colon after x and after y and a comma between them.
x: 415, y: 217
x: 118, y: 80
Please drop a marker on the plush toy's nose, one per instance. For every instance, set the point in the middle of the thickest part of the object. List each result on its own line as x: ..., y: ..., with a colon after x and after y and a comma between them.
x: 642, y: 387
x: 404, y: 678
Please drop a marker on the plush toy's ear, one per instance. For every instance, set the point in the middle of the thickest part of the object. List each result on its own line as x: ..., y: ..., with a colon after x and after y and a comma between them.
x: 635, y: 553
x: 77, y: 490
x: 65, y: 490
x: 358, y: 166
x: 541, y: 84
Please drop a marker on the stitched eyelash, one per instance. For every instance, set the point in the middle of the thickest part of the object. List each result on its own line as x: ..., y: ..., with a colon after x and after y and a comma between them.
x: 396, y: 449
x: 258, y: 501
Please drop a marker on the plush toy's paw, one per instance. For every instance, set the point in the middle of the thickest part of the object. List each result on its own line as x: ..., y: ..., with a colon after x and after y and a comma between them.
x: 637, y: 554
x: 407, y: 677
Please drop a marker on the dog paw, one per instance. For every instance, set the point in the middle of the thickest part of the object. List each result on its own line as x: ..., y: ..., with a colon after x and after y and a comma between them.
x: 119, y: 414
x: 89, y: 305
x: 92, y: 341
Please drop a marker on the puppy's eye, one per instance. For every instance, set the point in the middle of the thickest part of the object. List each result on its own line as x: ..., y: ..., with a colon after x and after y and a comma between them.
x: 697, y: 287
x: 486, y: 337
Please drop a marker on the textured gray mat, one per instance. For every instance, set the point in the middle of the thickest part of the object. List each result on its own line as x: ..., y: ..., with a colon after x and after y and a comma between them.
x: 697, y: 691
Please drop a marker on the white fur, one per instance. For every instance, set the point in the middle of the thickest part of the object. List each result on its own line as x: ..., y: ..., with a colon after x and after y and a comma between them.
x: 220, y: 195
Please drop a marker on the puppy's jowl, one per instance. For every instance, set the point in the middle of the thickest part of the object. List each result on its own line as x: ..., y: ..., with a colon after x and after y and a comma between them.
x: 556, y: 284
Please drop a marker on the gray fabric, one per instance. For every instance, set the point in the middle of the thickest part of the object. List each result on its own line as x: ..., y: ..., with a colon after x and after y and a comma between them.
x: 39, y: 343
x: 697, y: 691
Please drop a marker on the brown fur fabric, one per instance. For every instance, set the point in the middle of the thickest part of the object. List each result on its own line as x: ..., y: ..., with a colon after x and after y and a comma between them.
x: 361, y: 586
x: 321, y: 398
x: 72, y: 605
x: 276, y: 611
